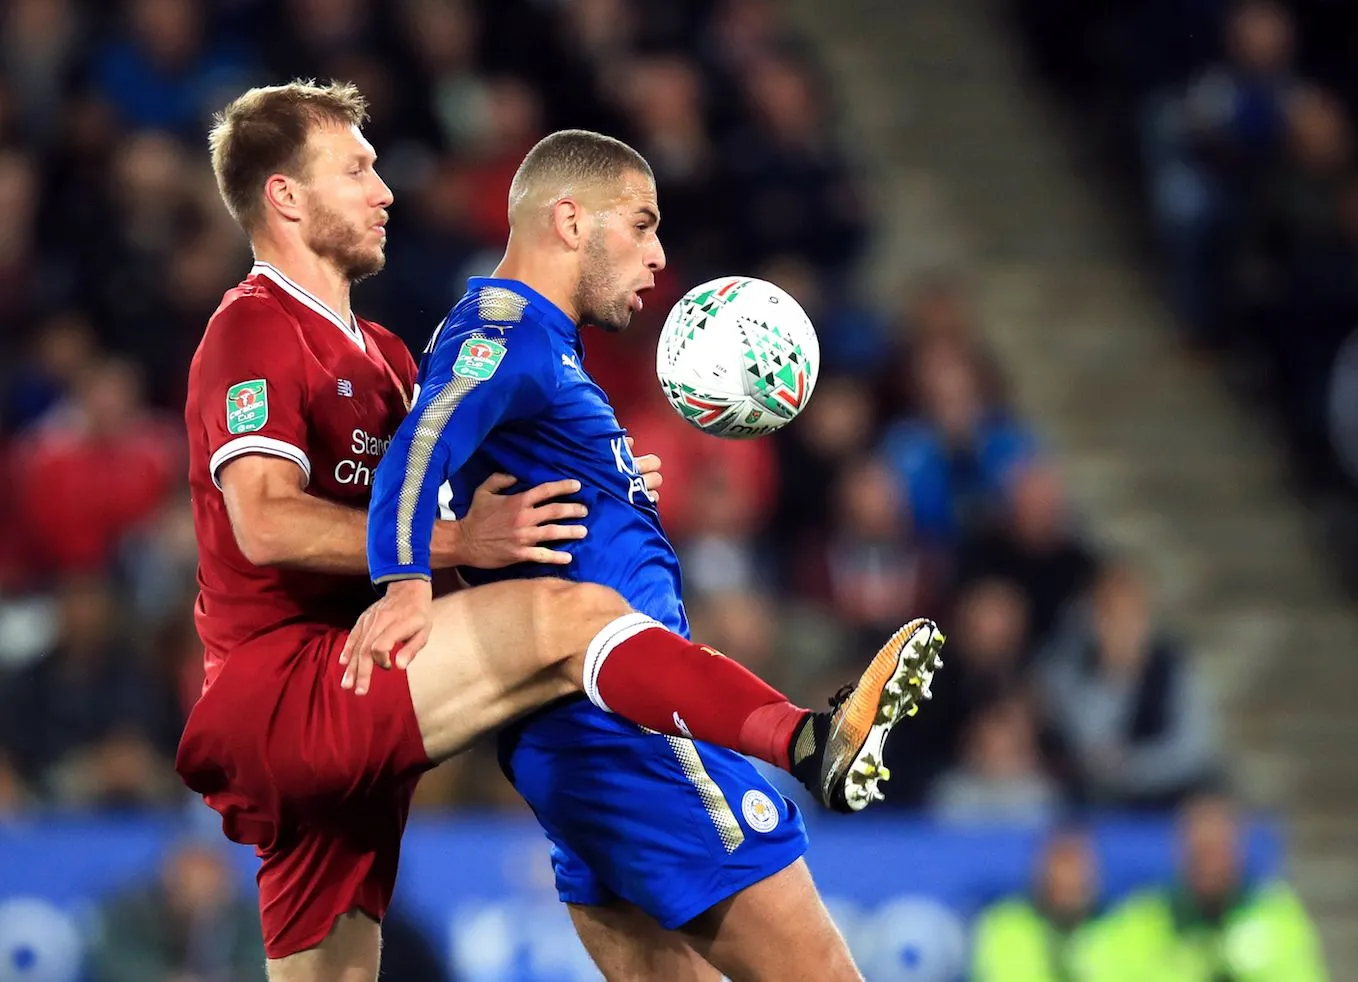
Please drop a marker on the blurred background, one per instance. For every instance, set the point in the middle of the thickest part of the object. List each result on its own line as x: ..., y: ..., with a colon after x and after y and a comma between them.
x: 1084, y: 278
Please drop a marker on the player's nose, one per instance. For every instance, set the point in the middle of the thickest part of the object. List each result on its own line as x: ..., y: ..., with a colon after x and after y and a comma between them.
x: 383, y: 196
x: 655, y: 261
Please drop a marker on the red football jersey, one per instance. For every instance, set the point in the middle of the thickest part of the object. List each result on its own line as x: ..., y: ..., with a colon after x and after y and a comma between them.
x: 280, y: 373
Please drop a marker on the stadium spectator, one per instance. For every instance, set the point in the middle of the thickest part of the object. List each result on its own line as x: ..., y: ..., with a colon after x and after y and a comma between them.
x: 1208, y: 147
x: 985, y: 664
x: 1000, y: 779
x: 188, y: 924
x: 956, y: 458
x: 1055, y: 934
x: 869, y: 571
x: 88, y: 723
x: 1036, y: 546
x: 1218, y: 922
x: 168, y: 71
x: 91, y: 470
x: 1126, y: 700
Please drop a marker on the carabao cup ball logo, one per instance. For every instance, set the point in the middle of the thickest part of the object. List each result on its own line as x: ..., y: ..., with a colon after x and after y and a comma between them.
x: 38, y: 943
x: 737, y: 357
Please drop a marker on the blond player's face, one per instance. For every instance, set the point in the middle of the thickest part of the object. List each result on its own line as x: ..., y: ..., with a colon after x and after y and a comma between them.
x: 345, y: 201
x: 622, y: 255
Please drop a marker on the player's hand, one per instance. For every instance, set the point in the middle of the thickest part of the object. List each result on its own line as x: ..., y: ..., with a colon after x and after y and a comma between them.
x: 648, y: 467
x: 400, y: 622
x: 503, y: 529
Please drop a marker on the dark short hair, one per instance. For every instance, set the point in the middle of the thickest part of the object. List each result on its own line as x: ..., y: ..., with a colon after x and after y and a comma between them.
x: 265, y: 131
x: 574, y: 158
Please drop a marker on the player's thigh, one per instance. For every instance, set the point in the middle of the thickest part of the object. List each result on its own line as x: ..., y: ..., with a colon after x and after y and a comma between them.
x: 777, y: 930
x: 349, y: 953
x: 628, y: 945
x: 500, y: 650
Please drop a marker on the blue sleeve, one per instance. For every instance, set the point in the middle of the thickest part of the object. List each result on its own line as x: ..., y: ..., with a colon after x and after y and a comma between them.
x: 470, y: 383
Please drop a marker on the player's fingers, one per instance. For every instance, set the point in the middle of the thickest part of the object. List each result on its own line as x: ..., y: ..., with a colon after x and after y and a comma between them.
x: 363, y: 674
x: 352, y: 642
x: 412, y: 648
x: 497, y: 483
x: 549, y: 557
x: 559, y: 533
x: 398, y: 632
x: 354, y: 668
x: 647, y: 463
x: 630, y: 441
x: 653, y: 480
x: 557, y: 511
x: 549, y: 490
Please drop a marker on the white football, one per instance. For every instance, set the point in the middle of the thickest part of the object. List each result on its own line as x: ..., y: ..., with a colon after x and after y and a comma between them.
x: 738, y: 357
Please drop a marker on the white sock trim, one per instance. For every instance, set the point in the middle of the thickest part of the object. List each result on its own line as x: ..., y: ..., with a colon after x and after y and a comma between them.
x: 613, y: 634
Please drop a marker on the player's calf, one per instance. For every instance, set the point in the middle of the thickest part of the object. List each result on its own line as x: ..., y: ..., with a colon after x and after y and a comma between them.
x: 639, y: 670
x: 777, y: 930
x: 351, y: 952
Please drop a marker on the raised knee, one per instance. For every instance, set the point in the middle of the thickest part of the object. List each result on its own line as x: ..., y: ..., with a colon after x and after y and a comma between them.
x: 571, y: 615
x: 595, y: 603
x: 561, y: 600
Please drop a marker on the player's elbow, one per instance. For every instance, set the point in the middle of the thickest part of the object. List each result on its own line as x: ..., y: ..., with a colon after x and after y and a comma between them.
x: 261, y: 542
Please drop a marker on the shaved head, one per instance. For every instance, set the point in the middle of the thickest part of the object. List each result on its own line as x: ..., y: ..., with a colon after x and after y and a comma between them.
x: 579, y: 164
x: 583, y: 220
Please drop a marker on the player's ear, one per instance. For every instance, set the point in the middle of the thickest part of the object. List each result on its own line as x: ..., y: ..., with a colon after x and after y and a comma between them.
x: 567, y: 222
x: 282, y: 194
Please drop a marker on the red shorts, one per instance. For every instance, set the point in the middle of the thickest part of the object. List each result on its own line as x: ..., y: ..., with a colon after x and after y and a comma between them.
x: 317, y: 779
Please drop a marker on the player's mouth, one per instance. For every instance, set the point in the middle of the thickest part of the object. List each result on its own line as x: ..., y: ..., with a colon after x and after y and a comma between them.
x: 636, y: 303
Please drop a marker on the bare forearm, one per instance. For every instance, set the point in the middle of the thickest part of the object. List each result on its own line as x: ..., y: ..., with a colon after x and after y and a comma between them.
x: 310, y: 533
x: 306, y: 533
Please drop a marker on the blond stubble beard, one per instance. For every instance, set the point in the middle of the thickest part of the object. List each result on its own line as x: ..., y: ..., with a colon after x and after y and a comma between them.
x: 336, y: 240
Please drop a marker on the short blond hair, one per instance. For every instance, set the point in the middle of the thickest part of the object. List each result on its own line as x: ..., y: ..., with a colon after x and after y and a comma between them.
x: 264, y: 132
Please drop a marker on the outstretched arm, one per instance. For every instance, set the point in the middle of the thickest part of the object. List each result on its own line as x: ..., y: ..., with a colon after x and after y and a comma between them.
x: 473, y: 383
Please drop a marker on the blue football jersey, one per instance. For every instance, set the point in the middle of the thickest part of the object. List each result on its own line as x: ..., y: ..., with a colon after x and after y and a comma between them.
x: 503, y: 387
x: 671, y: 825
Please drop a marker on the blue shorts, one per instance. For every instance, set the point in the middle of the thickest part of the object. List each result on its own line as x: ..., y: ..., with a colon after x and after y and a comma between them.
x: 670, y: 825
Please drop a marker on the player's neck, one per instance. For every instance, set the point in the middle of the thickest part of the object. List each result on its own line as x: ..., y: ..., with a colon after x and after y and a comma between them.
x: 542, y: 279
x: 317, y: 276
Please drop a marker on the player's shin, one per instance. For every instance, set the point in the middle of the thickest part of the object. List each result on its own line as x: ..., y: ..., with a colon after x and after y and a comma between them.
x: 636, y: 668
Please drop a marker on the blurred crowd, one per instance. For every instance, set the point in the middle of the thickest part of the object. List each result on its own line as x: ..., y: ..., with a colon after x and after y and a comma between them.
x: 1233, y: 121
x: 909, y: 486
x: 1212, y: 919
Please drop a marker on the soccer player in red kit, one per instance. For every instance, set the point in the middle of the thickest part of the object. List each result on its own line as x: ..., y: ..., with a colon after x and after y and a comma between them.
x: 306, y: 752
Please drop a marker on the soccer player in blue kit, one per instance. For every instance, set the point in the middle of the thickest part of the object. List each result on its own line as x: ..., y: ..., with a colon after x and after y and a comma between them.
x: 675, y: 856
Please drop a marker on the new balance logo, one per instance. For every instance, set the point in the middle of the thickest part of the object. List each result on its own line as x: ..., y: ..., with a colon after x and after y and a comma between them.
x: 681, y: 726
x: 345, y: 388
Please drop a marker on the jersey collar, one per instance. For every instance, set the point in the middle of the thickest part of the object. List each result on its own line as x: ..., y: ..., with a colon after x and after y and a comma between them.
x: 309, y: 299
x: 552, y: 315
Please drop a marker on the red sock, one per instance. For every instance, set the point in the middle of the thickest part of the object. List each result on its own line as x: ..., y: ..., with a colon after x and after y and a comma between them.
x: 639, y: 670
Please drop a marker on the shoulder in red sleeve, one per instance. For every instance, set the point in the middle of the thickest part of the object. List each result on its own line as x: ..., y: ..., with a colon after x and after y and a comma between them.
x: 248, y: 384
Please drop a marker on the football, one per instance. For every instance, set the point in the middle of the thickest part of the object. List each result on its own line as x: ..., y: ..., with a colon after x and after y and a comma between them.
x: 738, y: 357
